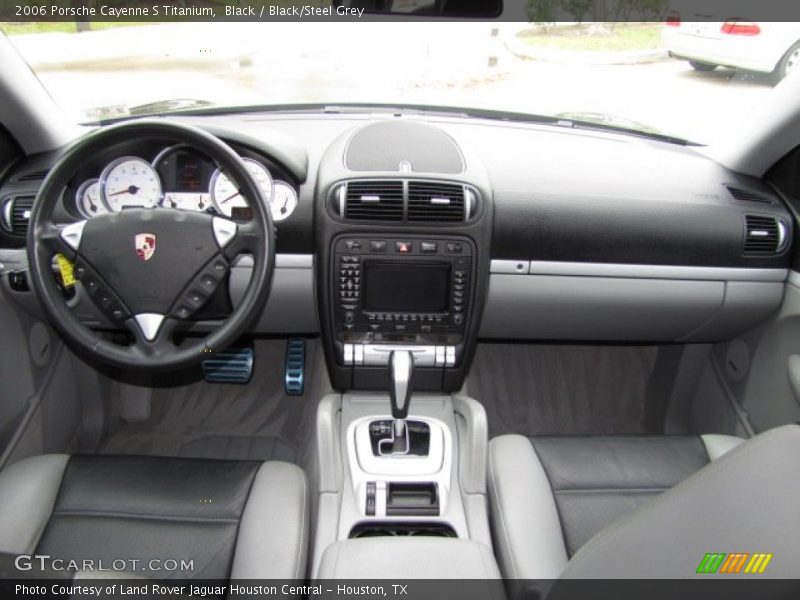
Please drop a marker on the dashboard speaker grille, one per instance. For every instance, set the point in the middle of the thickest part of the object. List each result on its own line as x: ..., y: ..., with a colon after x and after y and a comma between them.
x: 748, y: 195
x: 763, y: 235
x: 33, y: 175
x: 374, y: 200
x: 403, y: 145
x: 428, y: 201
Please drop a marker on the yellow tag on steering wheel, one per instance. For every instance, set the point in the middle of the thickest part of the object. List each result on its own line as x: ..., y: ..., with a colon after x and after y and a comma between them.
x: 66, y: 269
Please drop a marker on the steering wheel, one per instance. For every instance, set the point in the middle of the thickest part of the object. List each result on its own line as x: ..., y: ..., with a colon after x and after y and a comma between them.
x: 150, y: 269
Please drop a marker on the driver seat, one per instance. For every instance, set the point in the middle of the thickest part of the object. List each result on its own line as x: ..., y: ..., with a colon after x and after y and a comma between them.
x: 218, y: 519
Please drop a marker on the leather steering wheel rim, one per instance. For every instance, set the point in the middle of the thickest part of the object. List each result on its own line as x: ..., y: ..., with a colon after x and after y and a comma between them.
x: 256, y: 237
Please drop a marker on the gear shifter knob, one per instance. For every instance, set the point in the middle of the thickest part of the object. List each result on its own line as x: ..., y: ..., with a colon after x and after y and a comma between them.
x: 401, y: 371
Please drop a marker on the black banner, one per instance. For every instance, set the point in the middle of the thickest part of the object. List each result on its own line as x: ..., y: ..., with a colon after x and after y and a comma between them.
x: 86, y: 586
x: 543, y: 11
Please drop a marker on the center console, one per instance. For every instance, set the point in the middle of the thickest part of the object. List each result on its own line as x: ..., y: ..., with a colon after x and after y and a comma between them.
x: 430, y: 488
x: 403, y: 223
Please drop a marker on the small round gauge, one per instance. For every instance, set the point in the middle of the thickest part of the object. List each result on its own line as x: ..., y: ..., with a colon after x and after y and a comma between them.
x: 225, y: 195
x: 284, y: 201
x: 130, y: 182
x: 187, y: 200
x: 89, y: 199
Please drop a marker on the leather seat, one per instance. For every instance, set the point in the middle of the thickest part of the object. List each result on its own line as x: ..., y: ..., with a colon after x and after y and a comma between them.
x: 642, y: 506
x: 231, y: 519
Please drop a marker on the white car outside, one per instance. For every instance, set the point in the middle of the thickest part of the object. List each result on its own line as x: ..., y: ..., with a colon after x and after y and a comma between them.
x: 766, y: 47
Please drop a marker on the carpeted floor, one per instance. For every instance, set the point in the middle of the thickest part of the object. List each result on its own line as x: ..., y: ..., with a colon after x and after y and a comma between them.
x: 562, y: 389
x: 253, y: 421
x: 525, y: 388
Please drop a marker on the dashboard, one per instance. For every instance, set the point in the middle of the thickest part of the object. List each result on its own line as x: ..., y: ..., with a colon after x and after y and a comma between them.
x: 437, y: 231
x: 182, y: 178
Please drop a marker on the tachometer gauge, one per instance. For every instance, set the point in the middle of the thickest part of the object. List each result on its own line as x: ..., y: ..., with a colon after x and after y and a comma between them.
x: 225, y: 195
x: 130, y: 182
x: 88, y: 199
x: 284, y: 201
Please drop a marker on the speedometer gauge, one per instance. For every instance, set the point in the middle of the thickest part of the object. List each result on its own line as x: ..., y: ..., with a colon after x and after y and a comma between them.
x: 284, y: 201
x: 226, y: 196
x: 88, y: 199
x: 130, y: 182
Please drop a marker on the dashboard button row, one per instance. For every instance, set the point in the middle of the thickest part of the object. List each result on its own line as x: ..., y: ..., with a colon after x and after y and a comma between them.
x: 350, y: 277
x: 406, y: 318
x: 406, y: 246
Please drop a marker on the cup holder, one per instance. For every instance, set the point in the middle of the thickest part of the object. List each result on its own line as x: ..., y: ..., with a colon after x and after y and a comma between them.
x: 371, y: 530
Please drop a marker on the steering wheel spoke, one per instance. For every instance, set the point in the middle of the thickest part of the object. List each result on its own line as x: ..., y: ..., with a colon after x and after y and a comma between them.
x: 152, y: 333
x: 62, y: 239
x: 246, y: 241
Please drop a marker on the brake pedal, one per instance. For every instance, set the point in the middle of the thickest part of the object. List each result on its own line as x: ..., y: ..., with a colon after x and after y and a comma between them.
x: 234, y: 365
x: 294, y: 379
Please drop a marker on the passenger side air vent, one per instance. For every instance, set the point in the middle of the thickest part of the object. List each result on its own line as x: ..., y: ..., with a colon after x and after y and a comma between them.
x: 764, y: 235
x: 428, y: 201
x: 748, y: 195
x: 17, y: 213
x: 373, y: 200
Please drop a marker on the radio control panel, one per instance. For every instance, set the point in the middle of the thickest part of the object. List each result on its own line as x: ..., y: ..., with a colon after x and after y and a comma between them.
x: 406, y: 290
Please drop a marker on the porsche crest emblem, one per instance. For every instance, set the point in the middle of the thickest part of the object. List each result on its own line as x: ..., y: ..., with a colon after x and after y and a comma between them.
x: 145, y: 245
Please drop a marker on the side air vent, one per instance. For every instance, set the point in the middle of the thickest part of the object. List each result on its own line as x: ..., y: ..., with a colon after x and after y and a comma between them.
x: 748, y: 195
x: 429, y: 201
x: 764, y: 235
x: 17, y: 213
x: 373, y: 200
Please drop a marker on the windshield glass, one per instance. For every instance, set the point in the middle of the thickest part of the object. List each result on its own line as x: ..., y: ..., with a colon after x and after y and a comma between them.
x: 653, y: 77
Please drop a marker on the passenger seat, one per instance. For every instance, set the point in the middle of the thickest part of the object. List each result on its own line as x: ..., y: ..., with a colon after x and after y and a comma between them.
x: 550, y: 497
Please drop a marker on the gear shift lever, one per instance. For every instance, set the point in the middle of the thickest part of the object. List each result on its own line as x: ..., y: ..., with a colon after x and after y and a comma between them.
x: 401, y: 372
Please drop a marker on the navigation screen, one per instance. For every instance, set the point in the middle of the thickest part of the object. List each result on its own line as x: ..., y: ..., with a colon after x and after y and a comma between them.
x: 406, y: 286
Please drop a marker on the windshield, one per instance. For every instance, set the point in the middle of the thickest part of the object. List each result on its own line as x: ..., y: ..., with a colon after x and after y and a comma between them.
x: 652, y: 77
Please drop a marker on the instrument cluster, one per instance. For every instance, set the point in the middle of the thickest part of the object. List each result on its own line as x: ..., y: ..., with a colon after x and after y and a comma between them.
x: 180, y: 178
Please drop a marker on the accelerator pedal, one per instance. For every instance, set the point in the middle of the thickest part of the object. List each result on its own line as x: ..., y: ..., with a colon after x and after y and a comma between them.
x: 234, y: 365
x: 294, y: 380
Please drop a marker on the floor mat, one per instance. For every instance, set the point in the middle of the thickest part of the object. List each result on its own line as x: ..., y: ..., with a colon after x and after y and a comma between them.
x: 239, y: 447
x: 562, y: 389
x: 257, y: 420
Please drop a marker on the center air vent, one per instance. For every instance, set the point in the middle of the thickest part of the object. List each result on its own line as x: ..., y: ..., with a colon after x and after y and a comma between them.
x: 437, y: 202
x: 17, y: 213
x: 414, y: 201
x: 764, y: 235
x: 373, y: 200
